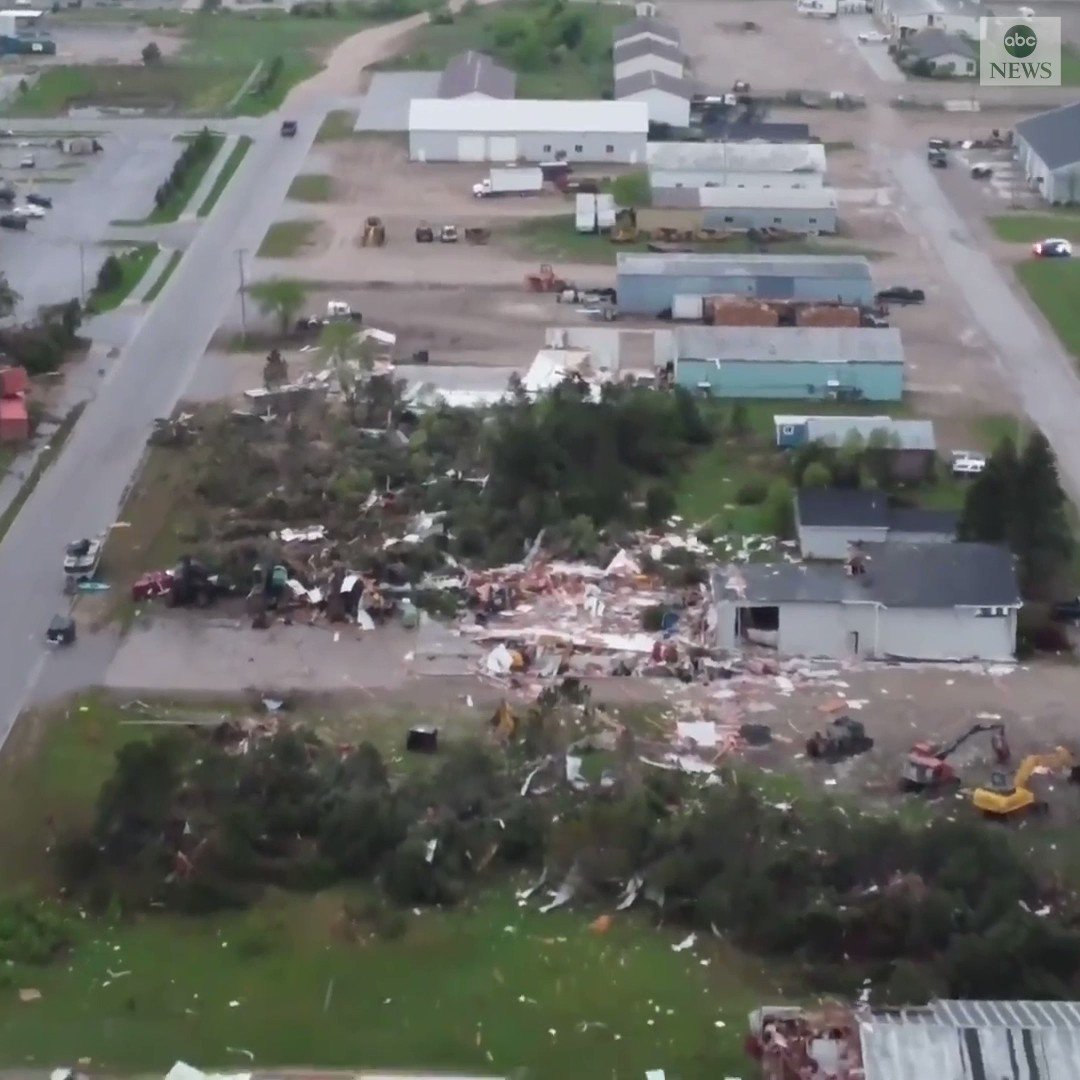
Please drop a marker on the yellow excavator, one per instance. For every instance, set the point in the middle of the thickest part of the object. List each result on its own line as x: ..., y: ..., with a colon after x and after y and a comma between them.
x: 1002, y: 800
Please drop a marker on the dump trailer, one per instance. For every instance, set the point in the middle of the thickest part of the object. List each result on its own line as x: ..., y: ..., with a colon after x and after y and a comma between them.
x: 510, y: 181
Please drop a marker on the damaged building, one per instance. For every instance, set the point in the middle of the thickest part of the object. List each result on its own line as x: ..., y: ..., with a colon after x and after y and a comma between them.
x: 886, y: 601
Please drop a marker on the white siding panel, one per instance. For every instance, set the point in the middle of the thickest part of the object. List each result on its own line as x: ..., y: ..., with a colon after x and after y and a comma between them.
x: 471, y: 148
x: 502, y: 148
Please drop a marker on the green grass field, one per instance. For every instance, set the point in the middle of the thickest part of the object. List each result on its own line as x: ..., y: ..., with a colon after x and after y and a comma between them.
x: 170, y: 266
x: 287, y: 238
x: 232, y: 163
x: 220, y: 52
x: 1054, y: 285
x: 486, y: 987
x: 1023, y: 228
x: 133, y: 265
x: 507, y: 32
x: 312, y: 187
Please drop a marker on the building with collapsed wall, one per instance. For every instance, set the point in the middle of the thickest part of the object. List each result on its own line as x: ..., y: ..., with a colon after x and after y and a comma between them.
x: 945, y: 1040
x: 887, y: 601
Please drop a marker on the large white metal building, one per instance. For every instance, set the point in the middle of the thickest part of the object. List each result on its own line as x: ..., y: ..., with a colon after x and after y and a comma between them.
x: 482, y: 129
x: 735, y: 164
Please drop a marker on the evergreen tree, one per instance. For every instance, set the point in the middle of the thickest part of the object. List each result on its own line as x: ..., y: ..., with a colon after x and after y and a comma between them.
x: 1040, y: 532
x: 989, y: 508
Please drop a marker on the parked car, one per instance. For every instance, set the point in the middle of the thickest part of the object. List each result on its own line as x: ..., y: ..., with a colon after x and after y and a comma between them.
x: 900, y: 294
x: 938, y: 144
x: 288, y: 128
x: 448, y: 234
x: 938, y: 159
x: 1053, y: 248
x: 873, y: 37
x: 44, y: 201
x: 982, y: 171
x: 967, y: 463
x: 7, y: 194
x: 61, y: 631
x: 28, y: 210
x: 1067, y: 610
x: 27, y: 161
x: 12, y: 221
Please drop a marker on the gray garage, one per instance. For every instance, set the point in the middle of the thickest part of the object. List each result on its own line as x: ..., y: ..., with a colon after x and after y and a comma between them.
x: 482, y: 129
x: 648, y: 283
x: 806, y: 210
x: 386, y: 104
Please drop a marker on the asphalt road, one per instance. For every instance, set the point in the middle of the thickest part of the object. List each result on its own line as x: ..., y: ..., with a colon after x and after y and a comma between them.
x: 1029, y: 353
x: 80, y: 494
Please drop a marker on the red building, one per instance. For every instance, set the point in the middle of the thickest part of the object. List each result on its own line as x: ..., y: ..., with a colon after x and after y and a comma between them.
x: 14, y: 416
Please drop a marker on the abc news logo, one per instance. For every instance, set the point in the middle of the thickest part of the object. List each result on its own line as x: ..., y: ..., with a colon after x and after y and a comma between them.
x: 1020, y: 42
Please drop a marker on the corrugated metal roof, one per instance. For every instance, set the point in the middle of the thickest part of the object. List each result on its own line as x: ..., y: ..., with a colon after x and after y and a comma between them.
x: 902, y: 434
x: 736, y: 157
x: 523, y: 115
x: 1053, y: 135
x: 745, y: 198
x: 476, y: 73
x: 646, y: 25
x: 721, y: 266
x: 807, y: 344
x: 653, y: 80
x: 974, y: 1040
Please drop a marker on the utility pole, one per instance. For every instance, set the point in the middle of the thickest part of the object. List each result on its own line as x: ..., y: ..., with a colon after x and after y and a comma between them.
x: 243, y: 300
x: 82, y: 273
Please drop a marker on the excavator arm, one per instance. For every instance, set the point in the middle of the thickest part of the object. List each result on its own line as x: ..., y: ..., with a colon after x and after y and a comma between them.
x: 976, y: 729
x: 1060, y: 758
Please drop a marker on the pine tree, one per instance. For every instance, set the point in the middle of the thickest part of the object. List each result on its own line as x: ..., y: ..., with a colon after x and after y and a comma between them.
x: 1040, y: 534
x: 989, y: 508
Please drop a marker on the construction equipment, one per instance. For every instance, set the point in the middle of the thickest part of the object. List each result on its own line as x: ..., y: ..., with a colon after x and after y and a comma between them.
x: 927, y: 769
x: 1002, y: 800
x: 374, y: 233
x: 424, y: 234
x: 544, y: 281
x: 843, y: 738
x: 448, y: 234
x: 477, y: 235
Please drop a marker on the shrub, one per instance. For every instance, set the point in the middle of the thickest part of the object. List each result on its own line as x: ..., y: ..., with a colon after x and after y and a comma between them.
x: 816, y: 475
x: 752, y: 492
x: 32, y: 932
x: 659, y: 504
x: 110, y: 275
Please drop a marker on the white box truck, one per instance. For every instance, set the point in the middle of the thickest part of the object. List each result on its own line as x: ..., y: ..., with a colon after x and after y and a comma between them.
x: 510, y: 181
x: 605, y: 211
x: 585, y: 213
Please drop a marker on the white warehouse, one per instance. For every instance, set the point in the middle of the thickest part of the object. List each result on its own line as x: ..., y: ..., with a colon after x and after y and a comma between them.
x: 735, y: 164
x: 479, y: 129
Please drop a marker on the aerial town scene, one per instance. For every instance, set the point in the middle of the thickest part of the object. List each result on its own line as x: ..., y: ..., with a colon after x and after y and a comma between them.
x: 539, y: 539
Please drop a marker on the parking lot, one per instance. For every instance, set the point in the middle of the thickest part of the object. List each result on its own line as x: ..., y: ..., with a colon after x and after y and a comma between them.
x: 58, y: 255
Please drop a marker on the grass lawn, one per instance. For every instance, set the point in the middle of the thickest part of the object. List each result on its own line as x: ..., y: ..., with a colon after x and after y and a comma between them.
x: 133, y: 265
x: 519, y: 35
x: 232, y: 163
x: 170, y: 266
x: 287, y: 238
x: 220, y: 52
x: 312, y: 187
x: 485, y: 987
x: 181, y: 195
x: 1024, y: 228
x: 1054, y: 285
x: 632, y: 189
x: 337, y: 125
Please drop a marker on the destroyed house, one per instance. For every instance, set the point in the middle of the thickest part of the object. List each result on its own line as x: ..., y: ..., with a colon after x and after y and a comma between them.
x: 888, y: 601
x: 944, y: 1040
x: 829, y: 520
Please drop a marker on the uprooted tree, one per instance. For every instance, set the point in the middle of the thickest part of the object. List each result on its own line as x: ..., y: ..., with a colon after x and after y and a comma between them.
x: 188, y: 823
x: 283, y: 298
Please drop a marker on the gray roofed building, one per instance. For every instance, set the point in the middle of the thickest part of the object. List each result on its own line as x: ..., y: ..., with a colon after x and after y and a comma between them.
x: 797, y: 344
x: 727, y: 157
x: 653, y: 80
x: 648, y: 27
x: 896, y: 575
x: 676, y: 264
x: 899, y: 601
x: 973, y: 1040
x: 476, y: 73
x: 630, y: 50
x: 932, y: 43
x: 830, y: 520
x: 901, y: 434
x: 1048, y: 150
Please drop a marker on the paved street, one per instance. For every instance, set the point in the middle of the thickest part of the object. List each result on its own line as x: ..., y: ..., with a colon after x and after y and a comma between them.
x: 80, y: 493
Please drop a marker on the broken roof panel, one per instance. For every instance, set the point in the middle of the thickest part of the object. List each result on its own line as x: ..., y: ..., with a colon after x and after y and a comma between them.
x: 931, y: 575
x: 475, y: 72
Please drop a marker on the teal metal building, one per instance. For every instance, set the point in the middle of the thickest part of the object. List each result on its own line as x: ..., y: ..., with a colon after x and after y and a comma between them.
x: 791, y: 363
